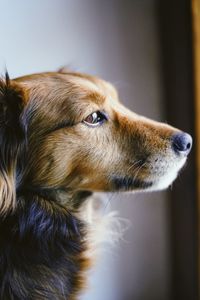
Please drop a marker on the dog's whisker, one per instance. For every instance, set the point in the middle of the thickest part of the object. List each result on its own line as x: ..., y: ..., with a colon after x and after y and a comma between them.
x: 134, y: 164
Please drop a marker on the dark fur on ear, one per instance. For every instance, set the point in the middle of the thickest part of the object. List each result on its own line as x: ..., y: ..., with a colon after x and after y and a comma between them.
x: 11, y: 136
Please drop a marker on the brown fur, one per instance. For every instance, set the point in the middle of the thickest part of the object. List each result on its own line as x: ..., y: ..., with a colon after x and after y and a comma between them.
x: 58, y: 160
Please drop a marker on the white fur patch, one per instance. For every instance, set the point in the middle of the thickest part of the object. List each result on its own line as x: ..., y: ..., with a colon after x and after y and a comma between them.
x: 103, y: 228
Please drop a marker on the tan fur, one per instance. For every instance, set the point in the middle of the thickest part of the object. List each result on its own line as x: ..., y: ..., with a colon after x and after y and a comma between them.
x: 65, y: 156
x: 78, y: 156
x: 7, y: 193
x: 9, y: 91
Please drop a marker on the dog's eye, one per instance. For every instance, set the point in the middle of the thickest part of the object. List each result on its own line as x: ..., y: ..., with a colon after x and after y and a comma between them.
x: 96, y: 118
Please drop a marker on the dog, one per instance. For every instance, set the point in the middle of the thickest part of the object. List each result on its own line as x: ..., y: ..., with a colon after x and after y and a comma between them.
x: 65, y: 135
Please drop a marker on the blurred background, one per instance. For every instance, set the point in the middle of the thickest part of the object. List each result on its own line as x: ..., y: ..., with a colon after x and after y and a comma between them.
x: 144, y: 47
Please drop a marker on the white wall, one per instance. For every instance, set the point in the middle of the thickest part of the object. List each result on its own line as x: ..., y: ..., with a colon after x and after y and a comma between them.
x: 118, y: 41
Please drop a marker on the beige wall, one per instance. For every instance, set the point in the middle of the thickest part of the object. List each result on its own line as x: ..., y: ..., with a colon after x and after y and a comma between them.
x: 118, y: 41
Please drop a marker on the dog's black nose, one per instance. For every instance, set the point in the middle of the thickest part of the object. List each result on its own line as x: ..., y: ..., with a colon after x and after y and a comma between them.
x: 182, y: 143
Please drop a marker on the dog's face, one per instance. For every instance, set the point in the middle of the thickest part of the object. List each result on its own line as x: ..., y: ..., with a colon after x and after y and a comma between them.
x: 80, y: 137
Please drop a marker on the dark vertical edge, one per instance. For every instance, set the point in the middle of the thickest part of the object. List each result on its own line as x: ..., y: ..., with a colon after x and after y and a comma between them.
x: 175, y: 34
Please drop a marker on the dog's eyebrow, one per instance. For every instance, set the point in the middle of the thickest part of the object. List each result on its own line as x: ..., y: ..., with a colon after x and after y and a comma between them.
x: 89, y: 89
x: 95, y: 97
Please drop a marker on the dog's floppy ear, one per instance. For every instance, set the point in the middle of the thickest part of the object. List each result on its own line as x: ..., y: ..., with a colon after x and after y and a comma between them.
x: 11, y: 139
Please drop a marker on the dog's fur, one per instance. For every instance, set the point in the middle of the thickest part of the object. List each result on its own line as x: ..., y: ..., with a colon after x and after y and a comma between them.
x: 52, y: 158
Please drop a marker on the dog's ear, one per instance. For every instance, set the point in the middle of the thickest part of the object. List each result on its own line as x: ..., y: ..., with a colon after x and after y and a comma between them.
x: 11, y: 140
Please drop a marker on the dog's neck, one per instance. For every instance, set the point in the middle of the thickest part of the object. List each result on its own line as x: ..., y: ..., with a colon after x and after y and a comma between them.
x: 71, y: 199
x: 43, y: 243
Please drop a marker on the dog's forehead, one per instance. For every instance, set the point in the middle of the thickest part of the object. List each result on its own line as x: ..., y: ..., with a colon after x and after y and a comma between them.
x: 68, y: 86
x: 82, y: 83
x: 93, y: 89
x: 55, y: 97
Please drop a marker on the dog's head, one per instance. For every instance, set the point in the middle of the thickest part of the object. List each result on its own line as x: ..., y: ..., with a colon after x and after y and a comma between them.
x: 68, y: 131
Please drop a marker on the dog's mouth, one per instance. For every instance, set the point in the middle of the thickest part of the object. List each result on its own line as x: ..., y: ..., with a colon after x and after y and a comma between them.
x: 127, y: 183
x: 156, y: 173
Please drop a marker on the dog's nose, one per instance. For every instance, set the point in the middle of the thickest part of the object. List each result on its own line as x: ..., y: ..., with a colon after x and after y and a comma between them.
x: 182, y: 143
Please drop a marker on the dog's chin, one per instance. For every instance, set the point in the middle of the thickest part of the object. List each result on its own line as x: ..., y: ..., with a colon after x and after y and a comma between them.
x: 126, y: 183
x: 156, y: 181
x: 163, y: 182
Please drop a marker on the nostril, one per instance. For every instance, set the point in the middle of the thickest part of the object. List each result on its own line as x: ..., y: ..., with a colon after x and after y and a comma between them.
x: 182, y: 143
